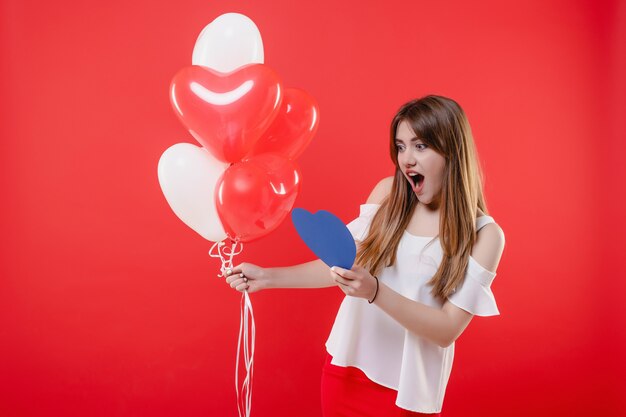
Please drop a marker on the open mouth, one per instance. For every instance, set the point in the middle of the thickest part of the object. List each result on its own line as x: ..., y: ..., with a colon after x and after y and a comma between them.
x: 417, y: 180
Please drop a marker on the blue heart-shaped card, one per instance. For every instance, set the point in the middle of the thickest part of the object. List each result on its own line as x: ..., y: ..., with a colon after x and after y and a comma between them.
x: 327, y: 236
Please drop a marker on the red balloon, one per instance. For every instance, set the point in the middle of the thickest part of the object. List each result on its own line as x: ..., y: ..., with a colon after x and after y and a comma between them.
x: 254, y: 196
x: 293, y: 128
x: 226, y: 112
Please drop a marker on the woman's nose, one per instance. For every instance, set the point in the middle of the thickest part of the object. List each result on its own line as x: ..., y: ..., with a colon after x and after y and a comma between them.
x: 409, y: 159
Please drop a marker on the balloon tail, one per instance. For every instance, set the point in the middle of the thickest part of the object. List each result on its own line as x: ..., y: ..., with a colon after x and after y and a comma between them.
x: 226, y: 254
x: 247, y: 329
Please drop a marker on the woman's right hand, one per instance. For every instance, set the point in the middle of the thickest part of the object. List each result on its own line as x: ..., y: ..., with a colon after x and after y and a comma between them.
x: 246, y: 276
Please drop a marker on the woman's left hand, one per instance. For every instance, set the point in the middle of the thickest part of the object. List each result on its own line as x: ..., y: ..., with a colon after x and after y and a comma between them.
x: 357, y: 282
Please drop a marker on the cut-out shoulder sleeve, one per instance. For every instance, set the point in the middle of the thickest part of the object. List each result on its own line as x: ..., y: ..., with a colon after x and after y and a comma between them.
x: 474, y: 294
x: 359, y: 226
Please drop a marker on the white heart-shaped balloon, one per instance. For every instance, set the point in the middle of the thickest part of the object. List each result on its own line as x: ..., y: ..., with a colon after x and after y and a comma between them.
x: 230, y: 41
x: 188, y: 175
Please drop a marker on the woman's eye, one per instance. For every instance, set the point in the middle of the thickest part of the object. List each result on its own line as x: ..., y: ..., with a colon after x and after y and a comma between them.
x: 421, y: 146
x: 400, y: 147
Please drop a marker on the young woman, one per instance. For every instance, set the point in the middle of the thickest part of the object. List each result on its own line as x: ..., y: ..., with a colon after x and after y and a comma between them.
x: 426, y: 257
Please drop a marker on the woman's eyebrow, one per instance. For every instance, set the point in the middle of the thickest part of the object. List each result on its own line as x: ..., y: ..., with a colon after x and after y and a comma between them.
x: 414, y: 139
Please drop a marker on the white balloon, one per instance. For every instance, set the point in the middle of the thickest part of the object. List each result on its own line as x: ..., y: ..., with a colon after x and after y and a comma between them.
x: 230, y: 41
x: 188, y: 175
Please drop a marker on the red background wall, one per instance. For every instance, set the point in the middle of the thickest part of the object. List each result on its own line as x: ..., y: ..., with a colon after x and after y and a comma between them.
x: 109, y: 305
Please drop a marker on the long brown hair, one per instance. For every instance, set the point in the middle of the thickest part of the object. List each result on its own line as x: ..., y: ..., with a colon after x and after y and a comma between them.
x: 440, y: 123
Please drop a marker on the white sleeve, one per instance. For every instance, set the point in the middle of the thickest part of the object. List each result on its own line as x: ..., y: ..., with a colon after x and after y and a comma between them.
x: 359, y: 226
x: 474, y: 294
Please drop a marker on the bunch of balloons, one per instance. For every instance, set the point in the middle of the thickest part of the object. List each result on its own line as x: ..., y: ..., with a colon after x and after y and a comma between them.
x: 243, y: 181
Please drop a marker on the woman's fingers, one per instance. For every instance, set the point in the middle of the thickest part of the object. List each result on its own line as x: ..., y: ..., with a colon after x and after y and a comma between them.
x: 238, y: 283
x: 352, y: 282
x: 342, y: 281
x: 232, y: 278
x: 345, y: 273
x: 236, y: 279
x: 241, y: 281
x: 339, y: 279
x: 234, y: 283
x: 237, y: 269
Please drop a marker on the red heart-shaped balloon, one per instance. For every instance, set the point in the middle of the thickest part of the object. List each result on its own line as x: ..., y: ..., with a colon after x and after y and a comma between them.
x: 293, y: 128
x: 254, y: 196
x: 226, y: 112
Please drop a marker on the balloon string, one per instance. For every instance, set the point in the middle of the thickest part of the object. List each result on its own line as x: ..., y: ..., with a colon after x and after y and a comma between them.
x: 247, y: 335
x: 226, y: 254
x: 247, y: 328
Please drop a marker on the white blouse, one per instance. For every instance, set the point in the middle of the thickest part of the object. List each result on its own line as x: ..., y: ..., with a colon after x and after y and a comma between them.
x: 365, y: 337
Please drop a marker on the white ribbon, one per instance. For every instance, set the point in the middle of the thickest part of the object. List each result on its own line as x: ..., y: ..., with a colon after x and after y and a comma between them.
x: 226, y: 254
x: 247, y: 329
x: 247, y: 332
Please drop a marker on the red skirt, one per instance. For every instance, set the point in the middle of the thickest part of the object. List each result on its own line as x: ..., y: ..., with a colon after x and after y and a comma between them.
x: 347, y: 392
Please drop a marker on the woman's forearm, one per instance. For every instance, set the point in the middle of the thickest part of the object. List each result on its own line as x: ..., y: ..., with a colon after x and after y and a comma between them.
x: 440, y: 325
x: 314, y: 274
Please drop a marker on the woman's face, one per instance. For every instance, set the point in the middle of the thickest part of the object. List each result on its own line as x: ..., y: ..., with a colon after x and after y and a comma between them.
x: 422, y: 166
